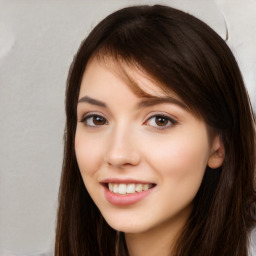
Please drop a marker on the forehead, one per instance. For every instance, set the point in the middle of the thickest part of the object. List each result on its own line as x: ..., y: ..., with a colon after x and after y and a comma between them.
x: 130, y: 73
x: 115, y: 84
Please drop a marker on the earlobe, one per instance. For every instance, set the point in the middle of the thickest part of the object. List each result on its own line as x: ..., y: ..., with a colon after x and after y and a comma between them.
x: 218, y: 153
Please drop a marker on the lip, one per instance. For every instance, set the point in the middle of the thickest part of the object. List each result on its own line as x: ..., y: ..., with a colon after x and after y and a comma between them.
x: 128, y: 199
x: 125, y: 181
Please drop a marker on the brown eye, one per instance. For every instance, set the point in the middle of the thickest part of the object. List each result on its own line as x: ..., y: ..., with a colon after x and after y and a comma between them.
x: 161, y: 121
x: 98, y: 120
x: 94, y: 120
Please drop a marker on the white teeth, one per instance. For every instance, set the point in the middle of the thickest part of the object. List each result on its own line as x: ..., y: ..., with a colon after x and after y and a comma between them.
x: 110, y: 186
x: 130, y: 188
x: 138, y: 187
x: 122, y: 189
x: 115, y: 188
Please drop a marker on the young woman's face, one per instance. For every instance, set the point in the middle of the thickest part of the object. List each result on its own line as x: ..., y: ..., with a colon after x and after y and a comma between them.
x: 142, y: 160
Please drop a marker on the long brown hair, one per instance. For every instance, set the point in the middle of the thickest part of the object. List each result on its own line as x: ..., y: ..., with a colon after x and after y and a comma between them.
x: 187, y: 57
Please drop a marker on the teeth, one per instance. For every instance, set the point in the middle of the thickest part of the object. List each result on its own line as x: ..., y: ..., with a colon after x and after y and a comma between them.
x: 115, y: 188
x: 145, y: 187
x: 122, y: 189
x: 131, y: 188
x: 138, y: 187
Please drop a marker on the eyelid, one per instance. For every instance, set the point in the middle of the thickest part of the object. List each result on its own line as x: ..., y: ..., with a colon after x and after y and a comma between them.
x: 173, y: 121
x: 92, y: 114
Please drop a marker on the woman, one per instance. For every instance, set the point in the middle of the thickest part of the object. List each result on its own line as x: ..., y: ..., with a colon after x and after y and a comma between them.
x: 160, y: 141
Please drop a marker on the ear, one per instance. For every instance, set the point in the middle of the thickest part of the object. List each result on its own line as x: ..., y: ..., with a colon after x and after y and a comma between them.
x: 217, y: 155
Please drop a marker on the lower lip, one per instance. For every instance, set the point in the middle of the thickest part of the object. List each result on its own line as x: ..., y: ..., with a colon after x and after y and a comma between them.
x: 128, y: 199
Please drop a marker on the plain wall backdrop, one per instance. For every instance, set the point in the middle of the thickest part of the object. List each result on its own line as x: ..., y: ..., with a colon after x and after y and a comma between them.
x: 38, y: 39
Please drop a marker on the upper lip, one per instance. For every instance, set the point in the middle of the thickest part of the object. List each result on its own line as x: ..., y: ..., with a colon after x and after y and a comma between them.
x: 125, y: 181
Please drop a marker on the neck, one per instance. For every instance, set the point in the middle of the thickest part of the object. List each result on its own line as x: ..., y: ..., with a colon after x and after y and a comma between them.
x: 159, y: 240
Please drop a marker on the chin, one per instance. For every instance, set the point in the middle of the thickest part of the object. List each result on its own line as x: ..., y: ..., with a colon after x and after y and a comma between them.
x: 127, y: 226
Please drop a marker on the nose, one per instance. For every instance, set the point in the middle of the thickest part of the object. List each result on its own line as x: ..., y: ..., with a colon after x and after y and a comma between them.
x: 122, y: 150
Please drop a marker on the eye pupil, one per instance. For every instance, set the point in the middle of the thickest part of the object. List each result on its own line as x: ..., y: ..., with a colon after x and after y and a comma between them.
x: 98, y: 120
x: 161, y: 121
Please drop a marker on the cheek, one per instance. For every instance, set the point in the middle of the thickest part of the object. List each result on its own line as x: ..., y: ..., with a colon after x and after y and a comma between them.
x: 180, y: 165
x: 182, y: 159
x: 88, y: 153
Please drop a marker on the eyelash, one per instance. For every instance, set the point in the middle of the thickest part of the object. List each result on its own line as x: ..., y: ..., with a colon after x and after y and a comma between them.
x: 170, y: 121
x: 91, y: 118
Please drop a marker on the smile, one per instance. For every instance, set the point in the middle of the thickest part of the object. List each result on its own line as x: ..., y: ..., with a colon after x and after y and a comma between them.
x: 124, y: 193
x: 130, y: 188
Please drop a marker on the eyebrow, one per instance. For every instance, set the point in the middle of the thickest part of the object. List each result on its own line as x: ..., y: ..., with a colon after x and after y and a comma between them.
x: 155, y: 101
x: 143, y: 104
x: 92, y: 101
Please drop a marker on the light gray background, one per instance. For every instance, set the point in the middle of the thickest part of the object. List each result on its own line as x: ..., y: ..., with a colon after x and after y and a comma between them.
x: 38, y: 39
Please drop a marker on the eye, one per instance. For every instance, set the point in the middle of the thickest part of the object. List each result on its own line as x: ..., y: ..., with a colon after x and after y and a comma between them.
x: 94, y: 120
x: 161, y: 121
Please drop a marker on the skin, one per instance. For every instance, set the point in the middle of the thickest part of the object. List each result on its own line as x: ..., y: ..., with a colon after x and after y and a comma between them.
x: 129, y: 143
